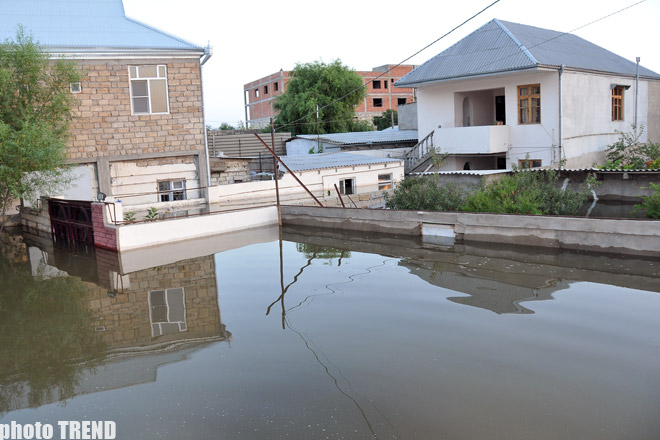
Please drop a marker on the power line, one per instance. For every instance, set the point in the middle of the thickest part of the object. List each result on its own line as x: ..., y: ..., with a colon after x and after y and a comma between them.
x: 396, y: 65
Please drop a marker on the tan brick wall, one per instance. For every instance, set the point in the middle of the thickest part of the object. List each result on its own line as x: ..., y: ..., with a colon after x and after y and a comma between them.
x: 104, y: 125
x: 126, y: 316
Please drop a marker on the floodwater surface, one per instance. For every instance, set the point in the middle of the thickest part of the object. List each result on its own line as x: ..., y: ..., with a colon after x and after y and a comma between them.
x: 333, y: 339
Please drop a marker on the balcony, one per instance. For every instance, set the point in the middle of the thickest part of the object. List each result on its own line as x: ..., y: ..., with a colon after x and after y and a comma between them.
x: 487, y: 139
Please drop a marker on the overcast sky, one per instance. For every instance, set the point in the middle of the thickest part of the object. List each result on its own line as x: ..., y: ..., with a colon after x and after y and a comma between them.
x: 254, y: 39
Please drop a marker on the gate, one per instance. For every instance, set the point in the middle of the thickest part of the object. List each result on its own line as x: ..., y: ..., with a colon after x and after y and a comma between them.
x: 71, y: 221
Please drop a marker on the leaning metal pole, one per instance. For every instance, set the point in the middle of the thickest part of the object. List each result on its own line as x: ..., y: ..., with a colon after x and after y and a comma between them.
x: 289, y: 170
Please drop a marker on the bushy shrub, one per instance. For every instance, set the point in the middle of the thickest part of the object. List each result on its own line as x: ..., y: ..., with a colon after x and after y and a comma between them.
x: 426, y: 193
x: 629, y: 153
x: 527, y: 192
x: 651, y: 204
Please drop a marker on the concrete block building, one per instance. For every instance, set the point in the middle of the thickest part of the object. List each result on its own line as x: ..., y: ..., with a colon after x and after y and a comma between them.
x: 139, y: 125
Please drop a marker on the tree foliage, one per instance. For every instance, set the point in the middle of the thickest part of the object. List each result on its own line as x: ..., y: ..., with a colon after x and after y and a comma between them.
x: 426, y: 193
x: 320, y: 84
x: 385, y: 120
x: 35, y: 112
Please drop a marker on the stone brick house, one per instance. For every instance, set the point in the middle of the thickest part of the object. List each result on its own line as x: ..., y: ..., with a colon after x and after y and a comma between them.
x: 139, y: 132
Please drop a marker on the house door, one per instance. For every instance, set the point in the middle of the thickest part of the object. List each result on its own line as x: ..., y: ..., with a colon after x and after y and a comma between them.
x: 466, y: 112
x: 500, y: 110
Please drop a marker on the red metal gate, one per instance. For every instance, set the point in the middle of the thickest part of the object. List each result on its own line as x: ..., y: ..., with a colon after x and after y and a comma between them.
x: 71, y: 221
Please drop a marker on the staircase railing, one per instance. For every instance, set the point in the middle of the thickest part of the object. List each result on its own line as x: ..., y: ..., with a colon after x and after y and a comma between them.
x: 419, y: 153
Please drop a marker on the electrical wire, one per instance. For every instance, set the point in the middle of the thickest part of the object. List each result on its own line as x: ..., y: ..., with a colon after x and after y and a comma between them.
x: 391, y: 68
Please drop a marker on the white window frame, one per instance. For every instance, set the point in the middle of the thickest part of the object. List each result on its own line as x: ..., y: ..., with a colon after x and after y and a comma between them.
x: 342, y: 186
x: 148, y: 80
x: 183, y: 326
x: 170, y: 192
x: 384, y: 184
x: 75, y: 87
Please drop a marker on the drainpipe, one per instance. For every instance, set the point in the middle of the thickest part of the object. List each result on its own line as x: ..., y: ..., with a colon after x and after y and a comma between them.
x: 636, y: 92
x: 561, y: 71
x: 208, y: 52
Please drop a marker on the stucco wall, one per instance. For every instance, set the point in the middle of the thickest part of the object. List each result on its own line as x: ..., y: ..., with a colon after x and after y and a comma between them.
x: 653, y: 124
x: 587, y: 115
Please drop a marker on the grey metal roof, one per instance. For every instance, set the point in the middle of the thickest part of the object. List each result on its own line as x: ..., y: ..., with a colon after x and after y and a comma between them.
x: 305, y: 162
x: 366, y: 137
x: 502, y: 46
x: 81, y: 24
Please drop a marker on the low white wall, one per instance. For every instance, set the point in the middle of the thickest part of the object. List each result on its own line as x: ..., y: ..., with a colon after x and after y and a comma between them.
x: 476, y: 140
x: 168, y: 231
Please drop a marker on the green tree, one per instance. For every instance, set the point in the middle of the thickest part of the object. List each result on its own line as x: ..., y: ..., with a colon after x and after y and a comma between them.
x: 320, y: 84
x: 385, y: 120
x: 426, y: 193
x: 35, y: 112
x: 226, y: 126
x: 630, y: 153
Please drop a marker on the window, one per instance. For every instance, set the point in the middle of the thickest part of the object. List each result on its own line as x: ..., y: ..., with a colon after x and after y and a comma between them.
x: 75, y: 87
x: 384, y: 182
x: 171, y: 190
x: 378, y: 102
x: 529, y: 163
x: 529, y: 104
x: 385, y: 83
x: 148, y: 89
x: 347, y: 186
x: 276, y: 85
x: 401, y: 101
x: 256, y: 93
x: 376, y: 84
x: 167, y: 311
x: 265, y: 89
x: 617, y: 103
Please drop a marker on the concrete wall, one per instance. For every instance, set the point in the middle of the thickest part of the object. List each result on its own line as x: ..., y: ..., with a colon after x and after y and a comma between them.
x: 653, y: 127
x: 407, y: 115
x: 320, y: 182
x: 133, y: 236
x: 587, y: 115
x: 623, y: 236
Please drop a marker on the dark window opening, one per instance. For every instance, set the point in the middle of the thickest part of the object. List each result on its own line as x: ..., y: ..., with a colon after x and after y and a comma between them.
x: 265, y: 90
x: 378, y: 102
x: 385, y: 83
x: 401, y: 101
x: 347, y: 186
x: 376, y: 84
x: 276, y: 85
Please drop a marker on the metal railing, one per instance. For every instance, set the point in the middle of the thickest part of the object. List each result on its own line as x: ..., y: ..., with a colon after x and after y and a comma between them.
x: 419, y: 153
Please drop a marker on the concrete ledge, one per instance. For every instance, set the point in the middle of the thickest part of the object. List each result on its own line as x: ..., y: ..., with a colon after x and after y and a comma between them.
x: 640, y: 237
x: 181, y: 229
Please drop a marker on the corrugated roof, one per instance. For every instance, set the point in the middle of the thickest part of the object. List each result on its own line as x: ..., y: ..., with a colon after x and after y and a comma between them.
x: 305, y: 162
x: 366, y: 137
x: 501, y: 46
x: 81, y: 24
x: 570, y: 170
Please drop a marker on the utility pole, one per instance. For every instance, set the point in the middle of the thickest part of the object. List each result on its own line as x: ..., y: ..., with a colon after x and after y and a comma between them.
x: 636, y: 92
x: 276, y: 173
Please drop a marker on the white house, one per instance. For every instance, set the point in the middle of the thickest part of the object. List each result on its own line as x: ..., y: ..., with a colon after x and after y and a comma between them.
x: 511, y: 94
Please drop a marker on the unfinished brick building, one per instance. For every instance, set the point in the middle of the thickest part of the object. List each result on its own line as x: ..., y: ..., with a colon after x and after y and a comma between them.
x: 381, y: 95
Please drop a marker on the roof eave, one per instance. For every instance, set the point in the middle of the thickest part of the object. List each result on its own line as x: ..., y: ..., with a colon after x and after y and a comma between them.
x: 475, y: 75
x: 121, y: 53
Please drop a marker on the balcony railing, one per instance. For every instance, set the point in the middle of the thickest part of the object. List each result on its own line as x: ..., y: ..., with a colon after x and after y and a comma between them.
x: 485, y: 139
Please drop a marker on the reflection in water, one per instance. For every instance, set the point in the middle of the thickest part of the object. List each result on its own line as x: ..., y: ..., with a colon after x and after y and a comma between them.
x: 57, y: 328
x: 46, y: 337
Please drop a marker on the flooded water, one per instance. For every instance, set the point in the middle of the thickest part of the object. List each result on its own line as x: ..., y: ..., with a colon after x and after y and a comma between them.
x: 326, y: 336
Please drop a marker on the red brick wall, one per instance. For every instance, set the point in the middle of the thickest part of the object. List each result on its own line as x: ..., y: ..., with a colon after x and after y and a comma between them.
x: 104, y: 236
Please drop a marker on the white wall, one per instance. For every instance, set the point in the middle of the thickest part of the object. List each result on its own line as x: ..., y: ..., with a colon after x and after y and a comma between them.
x: 319, y: 182
x: 168, y: 231
x: 131, y: 178
x: 587, y: 115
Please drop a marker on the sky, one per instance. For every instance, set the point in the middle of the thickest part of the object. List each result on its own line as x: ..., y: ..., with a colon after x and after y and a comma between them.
x: 253, y: 39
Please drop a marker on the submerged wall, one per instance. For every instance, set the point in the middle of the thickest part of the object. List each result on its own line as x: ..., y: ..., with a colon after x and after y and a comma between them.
x: 605, y: 235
